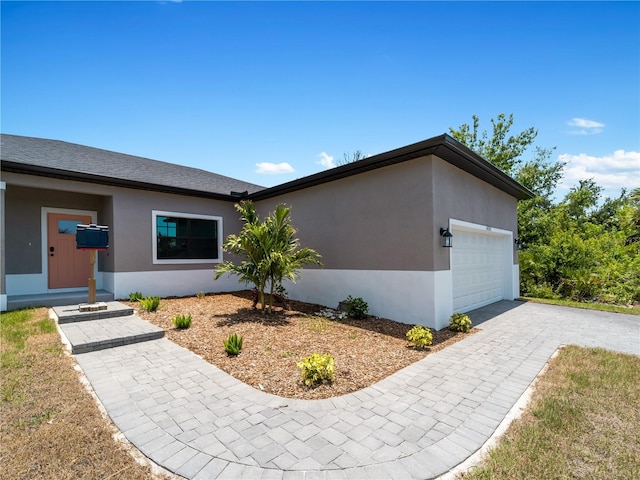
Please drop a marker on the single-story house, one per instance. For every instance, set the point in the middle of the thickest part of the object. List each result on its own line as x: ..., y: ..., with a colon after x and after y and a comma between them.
x: 377, y: 223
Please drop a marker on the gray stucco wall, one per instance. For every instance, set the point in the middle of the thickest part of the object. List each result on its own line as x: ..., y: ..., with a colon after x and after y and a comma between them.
x: 459, y: 195
x: 24, y: 218
x: 385, y: 219
x: 378, y: 220
x: 390, y: 218
x: 132, y: 226
x: 127, y: 212
x: 106, y: 259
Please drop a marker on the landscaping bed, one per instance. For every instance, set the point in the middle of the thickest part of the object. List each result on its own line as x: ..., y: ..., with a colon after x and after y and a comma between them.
x: 365, y: 351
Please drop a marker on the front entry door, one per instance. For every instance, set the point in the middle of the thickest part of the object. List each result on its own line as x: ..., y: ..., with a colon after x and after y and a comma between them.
x: 68, y: 267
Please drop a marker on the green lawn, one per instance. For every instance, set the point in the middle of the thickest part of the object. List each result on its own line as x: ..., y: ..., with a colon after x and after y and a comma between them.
x: 583, y: 422
x: 50, y: 426
x: 587, y: 305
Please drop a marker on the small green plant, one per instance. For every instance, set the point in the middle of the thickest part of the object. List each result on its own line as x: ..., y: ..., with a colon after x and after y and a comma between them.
x: 459, y: 322
x: 286, y: 354
x: 150, y: 304
x: 319, y: 324
x: 182, y: 321
x: 200, y: 295
x: 316, y: 369
x: 357, y: 308
x: 135, y: 296
x: 233, y: 344
x: 420, y: 336
x: 280, y: 290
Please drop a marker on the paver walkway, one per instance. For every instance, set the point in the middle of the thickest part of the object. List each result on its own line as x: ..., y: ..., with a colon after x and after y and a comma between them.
x: 195, y: 420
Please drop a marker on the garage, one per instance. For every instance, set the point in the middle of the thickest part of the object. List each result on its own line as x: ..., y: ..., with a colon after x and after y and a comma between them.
x: 480, y: 264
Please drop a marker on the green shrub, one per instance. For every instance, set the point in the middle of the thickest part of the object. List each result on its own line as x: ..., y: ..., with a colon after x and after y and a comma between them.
x: 420, y: 336
x: 280, y: 290
x: 316, y: 369
x: 459, y: 322
x: 543, y: 290
x: 357, y: 308
x: 233, y: 344
x: 182, y: 321
x: 200, y: 295
x: 150, y: 304
x: 135, y: 296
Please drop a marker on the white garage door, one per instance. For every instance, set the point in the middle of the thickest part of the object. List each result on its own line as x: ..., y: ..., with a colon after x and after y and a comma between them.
x: 478, y: 269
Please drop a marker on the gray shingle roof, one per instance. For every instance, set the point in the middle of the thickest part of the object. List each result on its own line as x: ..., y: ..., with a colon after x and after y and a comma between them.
x: 68, y: 160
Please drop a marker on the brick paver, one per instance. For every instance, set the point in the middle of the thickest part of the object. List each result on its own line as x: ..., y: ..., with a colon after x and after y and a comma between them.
x: 195, y: 420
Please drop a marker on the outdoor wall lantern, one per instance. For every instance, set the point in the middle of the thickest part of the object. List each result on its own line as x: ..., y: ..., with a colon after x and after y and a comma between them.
x: 518, y: 243
x: 446, y: 237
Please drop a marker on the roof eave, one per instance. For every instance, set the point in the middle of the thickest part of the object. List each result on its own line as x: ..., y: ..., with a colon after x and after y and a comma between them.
x: 483, y: 169
x: 25, y: 169
x: 443, y: 146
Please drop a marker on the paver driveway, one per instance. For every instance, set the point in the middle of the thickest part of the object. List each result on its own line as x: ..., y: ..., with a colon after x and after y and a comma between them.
x: 195, y: 420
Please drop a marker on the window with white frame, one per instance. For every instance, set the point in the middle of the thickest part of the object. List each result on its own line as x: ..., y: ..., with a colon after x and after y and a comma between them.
x: 186, y: 238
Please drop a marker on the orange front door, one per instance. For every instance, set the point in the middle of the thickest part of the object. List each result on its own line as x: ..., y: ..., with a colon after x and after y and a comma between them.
x: 68, y: 267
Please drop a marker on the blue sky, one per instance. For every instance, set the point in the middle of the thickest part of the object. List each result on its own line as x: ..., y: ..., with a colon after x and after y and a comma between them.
x: 269, y: 92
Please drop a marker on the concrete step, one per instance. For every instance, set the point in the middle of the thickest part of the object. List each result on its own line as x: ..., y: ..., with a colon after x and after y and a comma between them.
x: 73, y: 313
x: 15, y: 302
x: 99, y: 334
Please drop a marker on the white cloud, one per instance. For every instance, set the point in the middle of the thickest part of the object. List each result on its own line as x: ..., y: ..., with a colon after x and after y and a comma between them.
x: 585, y: 127
x: 612, y: 172
x: 274, y: 168
x: 583, y: 122
x: 326, y: 160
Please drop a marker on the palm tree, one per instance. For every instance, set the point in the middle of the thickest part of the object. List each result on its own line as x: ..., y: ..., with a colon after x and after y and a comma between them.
x: 270, y: 250
x: 286, y: 256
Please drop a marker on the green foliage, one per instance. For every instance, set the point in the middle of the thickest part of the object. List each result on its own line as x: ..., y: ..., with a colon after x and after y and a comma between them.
x: 356, y: 307
x: 135, y: 296
x: 585, y: 253
x: 420, y: 336
x: 459, y: 322
x: 501, y: 149
x: 280, y: 290
x: 271, y: 253
x: 603, y: 307
x: 542, y: 291
x: 317, y: 369
x: 150, y: 304
x: 181, y: 321
x: 200, y: 295
x: 46, y: 325
x: 15, y: 328
x: 233, y: 344
x: 319, y: 324
x: 631, y: 217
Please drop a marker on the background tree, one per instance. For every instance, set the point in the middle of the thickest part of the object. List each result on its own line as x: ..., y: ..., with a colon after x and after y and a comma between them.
x: 631, y: 217
x: 501, y: 148
x: 350, y: 157
x: 506, y: 151
x: 270, y: 251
